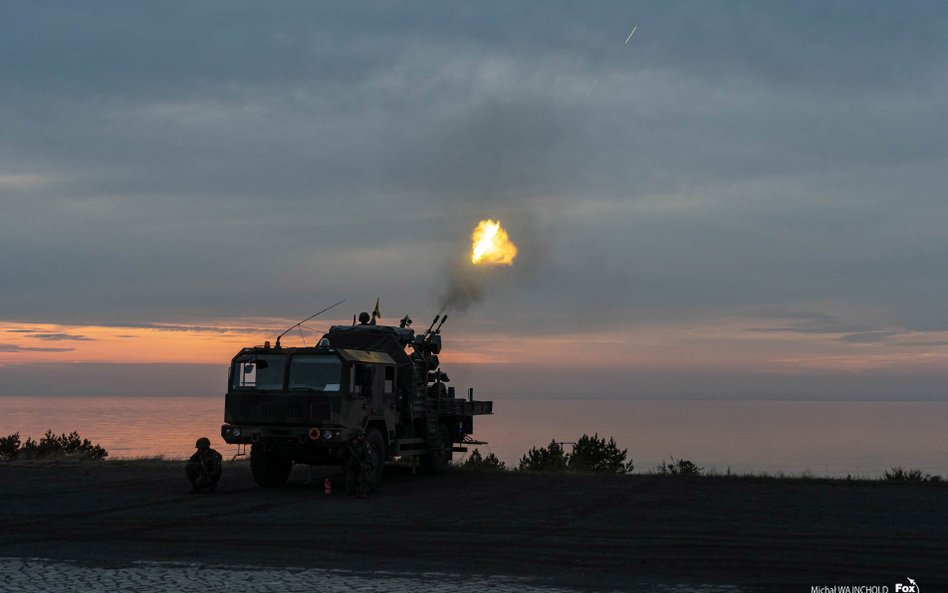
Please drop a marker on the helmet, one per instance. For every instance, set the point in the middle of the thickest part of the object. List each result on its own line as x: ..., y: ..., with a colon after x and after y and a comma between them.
x: 364, y: 318
x: 356, y: 432
x: 203, y: 443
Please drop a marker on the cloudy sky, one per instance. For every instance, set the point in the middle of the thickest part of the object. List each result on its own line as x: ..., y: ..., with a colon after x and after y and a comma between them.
x: 746, y: 200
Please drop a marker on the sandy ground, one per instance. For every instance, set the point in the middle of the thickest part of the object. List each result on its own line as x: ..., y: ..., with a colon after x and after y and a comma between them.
x: 629, y: 533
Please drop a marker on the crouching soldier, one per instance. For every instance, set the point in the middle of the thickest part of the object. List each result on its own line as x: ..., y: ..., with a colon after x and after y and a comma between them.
x: 204, y: 468
x: 358, y: 463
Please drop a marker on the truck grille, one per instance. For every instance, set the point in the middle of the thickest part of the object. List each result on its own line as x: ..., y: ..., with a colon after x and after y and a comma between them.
x: 320, y: 412
x: 282, y: 410
x: 278, y: 409
x: 316, y: 411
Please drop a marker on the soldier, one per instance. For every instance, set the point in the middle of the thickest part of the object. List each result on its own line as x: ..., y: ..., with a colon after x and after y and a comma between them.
x: 204, y: 468
x: 358, y: 463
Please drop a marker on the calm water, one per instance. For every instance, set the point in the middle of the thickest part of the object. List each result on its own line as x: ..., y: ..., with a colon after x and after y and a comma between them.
x: 825, y: 438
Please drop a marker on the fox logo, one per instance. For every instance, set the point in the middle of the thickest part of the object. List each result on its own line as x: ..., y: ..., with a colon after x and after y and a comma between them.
x: 912, y: 587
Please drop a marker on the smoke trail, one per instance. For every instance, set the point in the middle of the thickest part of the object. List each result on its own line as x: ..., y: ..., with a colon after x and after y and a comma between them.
x: 466, y: 287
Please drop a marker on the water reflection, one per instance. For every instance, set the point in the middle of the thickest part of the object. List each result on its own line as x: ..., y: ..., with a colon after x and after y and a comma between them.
x: 826, y: 438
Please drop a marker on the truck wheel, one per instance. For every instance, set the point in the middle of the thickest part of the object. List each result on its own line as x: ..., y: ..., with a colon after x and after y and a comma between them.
x: 377, y: 445
x: 438, y: 461
x: 268, y: 469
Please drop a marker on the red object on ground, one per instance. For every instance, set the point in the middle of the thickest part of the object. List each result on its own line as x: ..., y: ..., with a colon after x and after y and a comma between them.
x: 327, y: 486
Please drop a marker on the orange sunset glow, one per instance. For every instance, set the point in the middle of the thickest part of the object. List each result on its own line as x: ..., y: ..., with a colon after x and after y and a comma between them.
x: 720, y: 344
x: 205, y: 344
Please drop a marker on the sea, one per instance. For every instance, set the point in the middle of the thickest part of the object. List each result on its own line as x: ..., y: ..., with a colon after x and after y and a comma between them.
x: 814, y: 438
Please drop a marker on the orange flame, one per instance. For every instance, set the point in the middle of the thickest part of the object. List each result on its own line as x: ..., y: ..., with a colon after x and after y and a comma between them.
x: 491, y: 245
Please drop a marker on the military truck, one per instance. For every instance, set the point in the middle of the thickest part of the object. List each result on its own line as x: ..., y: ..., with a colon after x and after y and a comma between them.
x: 298, y: 404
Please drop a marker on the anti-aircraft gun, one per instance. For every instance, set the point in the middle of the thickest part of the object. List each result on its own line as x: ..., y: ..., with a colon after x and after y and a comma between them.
x: 298, y: 404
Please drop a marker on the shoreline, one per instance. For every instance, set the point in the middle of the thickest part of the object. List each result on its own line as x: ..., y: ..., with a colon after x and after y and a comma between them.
x: 935, y: 480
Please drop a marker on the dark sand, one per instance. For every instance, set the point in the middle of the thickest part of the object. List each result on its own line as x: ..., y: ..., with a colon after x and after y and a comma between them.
x: 588, y: 532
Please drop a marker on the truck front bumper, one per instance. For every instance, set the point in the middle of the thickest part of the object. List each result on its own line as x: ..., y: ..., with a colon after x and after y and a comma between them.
x: 234, y: 434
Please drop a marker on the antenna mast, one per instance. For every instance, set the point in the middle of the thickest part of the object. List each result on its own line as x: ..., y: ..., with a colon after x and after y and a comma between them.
x: 305, y: 320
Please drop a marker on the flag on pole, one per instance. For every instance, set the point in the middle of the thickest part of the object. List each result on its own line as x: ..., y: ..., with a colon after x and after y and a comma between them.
x: 376, y: 312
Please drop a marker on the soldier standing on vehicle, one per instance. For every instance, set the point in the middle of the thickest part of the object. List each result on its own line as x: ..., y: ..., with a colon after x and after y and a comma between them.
x: 204, y: 467
x: 358, y: 463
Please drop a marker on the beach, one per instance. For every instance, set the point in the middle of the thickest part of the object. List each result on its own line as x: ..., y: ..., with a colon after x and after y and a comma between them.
x: 520, y: 531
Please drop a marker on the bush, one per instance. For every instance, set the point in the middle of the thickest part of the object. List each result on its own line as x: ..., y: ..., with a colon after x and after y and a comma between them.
x: 592, y: 454
x: 9, y: 445
x: 547, y: 459
x: 678, y: 467
x: 50, y: 445
x: 899, y: 474
x: 489, y: 463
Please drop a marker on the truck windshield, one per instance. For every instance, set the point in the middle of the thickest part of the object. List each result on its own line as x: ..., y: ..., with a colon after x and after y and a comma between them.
x: 319, y: 373
x: 264, y: 371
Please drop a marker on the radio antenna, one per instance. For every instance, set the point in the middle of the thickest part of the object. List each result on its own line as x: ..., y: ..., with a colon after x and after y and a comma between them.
x: 294, y: 326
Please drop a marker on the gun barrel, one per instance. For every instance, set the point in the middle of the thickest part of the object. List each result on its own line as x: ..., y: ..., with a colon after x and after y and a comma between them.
x: 430, y: 327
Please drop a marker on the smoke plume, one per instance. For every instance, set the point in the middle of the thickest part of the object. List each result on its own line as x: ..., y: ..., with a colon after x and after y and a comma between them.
x: 466, y: 287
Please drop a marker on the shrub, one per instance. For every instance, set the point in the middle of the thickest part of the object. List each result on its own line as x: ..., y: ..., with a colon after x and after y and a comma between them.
x: 546, y: 459
x: 489, y: 463
x: 900, y: 474
x: 592, y: 454
x: 9, y: 445
x: 678, y: 467
x: 51, y: 445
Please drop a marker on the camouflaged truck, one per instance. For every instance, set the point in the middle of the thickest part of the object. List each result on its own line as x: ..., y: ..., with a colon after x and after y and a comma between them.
x: 296, y: 405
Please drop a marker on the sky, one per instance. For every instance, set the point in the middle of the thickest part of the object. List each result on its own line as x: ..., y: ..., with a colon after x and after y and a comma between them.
x: 746, y: 200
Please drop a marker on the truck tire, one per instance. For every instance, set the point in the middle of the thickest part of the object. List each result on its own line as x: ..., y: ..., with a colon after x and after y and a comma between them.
x: 437, y: 462
x: 267, y: 469
x: 377, y: 446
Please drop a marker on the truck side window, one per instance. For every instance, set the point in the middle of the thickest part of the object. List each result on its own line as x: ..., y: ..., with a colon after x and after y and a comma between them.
x: 389, y: 379
x: 362, y: 376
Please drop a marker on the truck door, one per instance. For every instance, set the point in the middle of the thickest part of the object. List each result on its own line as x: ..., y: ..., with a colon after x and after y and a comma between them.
x: 389, y: 384
x: 367, y: 383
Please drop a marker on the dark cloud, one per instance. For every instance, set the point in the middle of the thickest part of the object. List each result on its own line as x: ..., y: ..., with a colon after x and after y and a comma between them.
x: 18, y: 348
x: 815, y: 322
x: 870, y: 337
x: 57, y: 337
x: 924, y: 343
x: 222, y: 329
